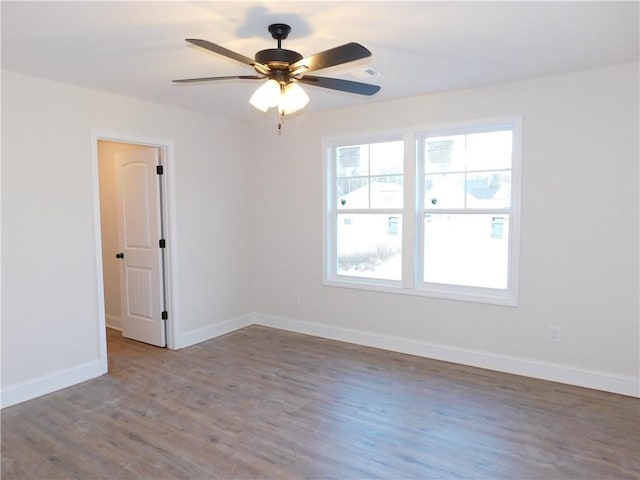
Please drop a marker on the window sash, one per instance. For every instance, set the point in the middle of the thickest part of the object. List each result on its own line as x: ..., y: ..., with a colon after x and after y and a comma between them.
x: 376, y: 253
x: 489, y: 237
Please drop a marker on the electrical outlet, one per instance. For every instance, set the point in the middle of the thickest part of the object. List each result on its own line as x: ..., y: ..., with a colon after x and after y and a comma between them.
x: 295, y: 299
x: 554, y: 334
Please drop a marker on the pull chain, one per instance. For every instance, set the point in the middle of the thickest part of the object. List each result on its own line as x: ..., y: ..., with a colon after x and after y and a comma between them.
x: 280, y: 112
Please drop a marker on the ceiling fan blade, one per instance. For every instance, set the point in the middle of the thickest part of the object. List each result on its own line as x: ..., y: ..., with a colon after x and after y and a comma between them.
x: 329, y: 58
x: 209, y: 79
x: 228, y: 53
x: 339, y: 84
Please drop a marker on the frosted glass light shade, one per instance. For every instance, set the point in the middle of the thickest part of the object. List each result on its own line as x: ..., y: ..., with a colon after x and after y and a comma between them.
x: 293, y: 98
x: 266, y: 96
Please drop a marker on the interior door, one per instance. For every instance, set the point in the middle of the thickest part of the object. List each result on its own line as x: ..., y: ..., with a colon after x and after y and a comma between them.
x: 139, y: 222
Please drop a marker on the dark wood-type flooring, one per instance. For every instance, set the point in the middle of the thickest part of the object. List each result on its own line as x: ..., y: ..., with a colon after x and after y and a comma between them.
x: 264, y: 403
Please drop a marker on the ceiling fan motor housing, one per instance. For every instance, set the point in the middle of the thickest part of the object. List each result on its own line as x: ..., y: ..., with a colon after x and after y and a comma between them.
x: 278, y: 57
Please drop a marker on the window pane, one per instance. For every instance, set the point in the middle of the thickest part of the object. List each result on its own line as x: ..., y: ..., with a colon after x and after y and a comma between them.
x: 352, y: 161
x: 387, y: 192
x: 489, y: 150
x: 474, y: 151
x: 352, y: 192
x: 469, y: 250
x: 489, y: 190
x: 444, y: 154
x: 370, y: 246
x: 444, y: 191
x: 387, y: 158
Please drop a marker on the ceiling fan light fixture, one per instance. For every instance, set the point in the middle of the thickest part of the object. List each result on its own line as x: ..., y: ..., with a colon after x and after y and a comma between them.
x: 293, y: 98
x: 266, y: 96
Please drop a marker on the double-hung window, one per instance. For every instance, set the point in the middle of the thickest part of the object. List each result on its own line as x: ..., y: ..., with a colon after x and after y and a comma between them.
x: 465, y: 197
x: 367, y: 211
x: 433, y: 212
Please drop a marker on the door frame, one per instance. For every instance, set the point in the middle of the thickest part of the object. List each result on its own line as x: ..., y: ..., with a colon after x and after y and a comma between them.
x: 168, y: 206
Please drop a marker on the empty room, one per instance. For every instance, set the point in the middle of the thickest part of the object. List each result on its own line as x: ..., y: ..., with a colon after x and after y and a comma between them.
x: 302, y: 240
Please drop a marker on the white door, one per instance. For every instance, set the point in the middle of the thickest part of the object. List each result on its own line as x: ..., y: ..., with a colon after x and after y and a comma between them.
x: 139, y: 224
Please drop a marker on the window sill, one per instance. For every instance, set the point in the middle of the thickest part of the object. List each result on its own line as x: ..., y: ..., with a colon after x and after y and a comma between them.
x: 502, y: 298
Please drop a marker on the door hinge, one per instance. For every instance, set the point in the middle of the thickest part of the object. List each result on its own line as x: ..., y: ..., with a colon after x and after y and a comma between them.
x: 159, y: 169
x: 165, y: 315
x: 162, y: 243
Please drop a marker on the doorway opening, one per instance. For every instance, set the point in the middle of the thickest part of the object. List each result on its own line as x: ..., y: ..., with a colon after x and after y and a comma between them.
x: 135, y: 238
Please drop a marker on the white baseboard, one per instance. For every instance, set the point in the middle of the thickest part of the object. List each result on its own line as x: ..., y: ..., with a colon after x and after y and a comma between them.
x: 502, y: 363
x: 113, y: 322
x: 50, y: 383
x: 519, y: 366
x: 213, y: 331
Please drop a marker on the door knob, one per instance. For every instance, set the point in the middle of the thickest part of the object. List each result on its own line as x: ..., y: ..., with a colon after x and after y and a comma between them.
x: 119, y: 255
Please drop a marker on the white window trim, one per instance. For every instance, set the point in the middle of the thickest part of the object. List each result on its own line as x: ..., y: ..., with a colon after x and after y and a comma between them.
x: 412, y: 227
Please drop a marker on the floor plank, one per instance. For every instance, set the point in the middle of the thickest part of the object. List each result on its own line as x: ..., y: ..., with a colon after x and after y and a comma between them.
x: 264, y: 403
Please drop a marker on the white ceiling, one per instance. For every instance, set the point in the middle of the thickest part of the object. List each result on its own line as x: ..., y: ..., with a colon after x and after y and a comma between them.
x: 136, y: 48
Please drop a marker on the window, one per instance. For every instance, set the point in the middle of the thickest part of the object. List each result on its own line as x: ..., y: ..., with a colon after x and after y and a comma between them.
x: 367, y: 210
x: 466, y: 205
x: 431, y: 212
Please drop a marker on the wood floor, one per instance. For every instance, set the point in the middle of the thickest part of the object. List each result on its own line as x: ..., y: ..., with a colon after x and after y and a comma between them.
x: 263, y: 403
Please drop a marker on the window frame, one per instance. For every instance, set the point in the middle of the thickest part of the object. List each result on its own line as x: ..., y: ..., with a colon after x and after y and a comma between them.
x: 412, y: 214
x: 330, y: 224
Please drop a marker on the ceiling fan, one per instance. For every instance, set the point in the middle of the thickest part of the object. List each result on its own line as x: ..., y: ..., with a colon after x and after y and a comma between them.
x: 284, y: 69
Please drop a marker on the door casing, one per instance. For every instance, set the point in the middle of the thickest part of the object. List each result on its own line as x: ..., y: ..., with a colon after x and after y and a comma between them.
x: 166, y: 148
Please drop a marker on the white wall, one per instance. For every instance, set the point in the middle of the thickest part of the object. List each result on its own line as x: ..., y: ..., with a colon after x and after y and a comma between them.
x: 579, y: 260
x: 249, y: 231
x: 50, y: 300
